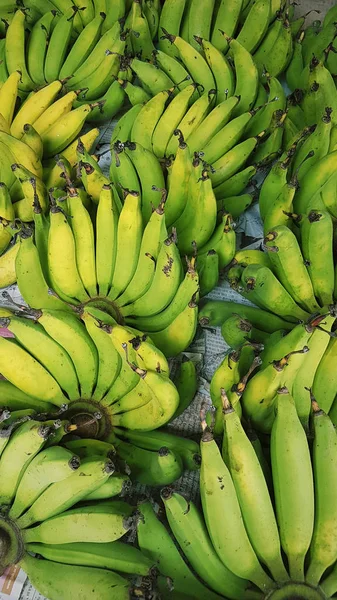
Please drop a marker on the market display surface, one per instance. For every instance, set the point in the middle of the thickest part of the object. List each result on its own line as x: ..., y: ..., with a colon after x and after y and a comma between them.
x: 216, y: 113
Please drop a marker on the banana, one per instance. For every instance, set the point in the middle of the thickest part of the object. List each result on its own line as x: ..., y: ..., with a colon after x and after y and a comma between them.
x: 215, y: 312
x: 208, y: 129
x: 140, y: 35
x: 44, y: 349
x: 28, y: 270
x: 99, y: 80
x: 109, y: 361
x: 227, y: 138
x: 315, y: 179
x: 22, y: 154
x: 156, y: 543
x: 51, y: 115
x: 123, y: 128
x: 261, y: 285
x: 64, y: 130
x: 83, y: 232
x: 317, y: 142
x: 324, y: 379
x: 106, y: 235
x: 105, y: 522
x: 199, y: 21
x: 135, y: 93
x: 304, y: 378
x: 152, y: 241
x: 35, y: 381
x: 34, y: 107
x: 203, y: 222
x: 116, y: 485
x: 63, y: 269
x: 155, y: 468
x: 236, y: 184
x: 221, y: 69
x: 170, y: 120
x: 232, y: 161
x: 122, y: 170
x: 8, y: 96
x: 293, y: 484
x: 146, y: 121
x: 282, y: 244
x: 152, y: 10
x: 92, y: 62
x: 116, y: 555
x: 37, y: 46
x: 228, y: 536
x: 57, y: 497
x: 108, y: 105
x: 296, y: 65
x: 282, y: 51
x: 190, y: 531
x: 15, y: 50
x: 93, y: 178
x: 127, y: 378
x: 316, y: 241
x: 32, y: 139
x: 192, y: 119
x: 83, y: 46
x: 178, y: 335
x: 262, y: 119
x: 236, y: 205
x: 16, y: 400
x: 160, y: 408
x: 73, y: 580
x: 225, y: 377
x: 129, y: 235
x: 173, y: 69
x: 170, y: 19
x: 49, y: 465
x: 71, y: 334
x: 259, y: 397
x: 15, y: 457
x: 154, y: 80
x: 8, y: 274
x: 115, y: 12
x: 222, y: 241
x: 150, y: 175
x: 323, y: 549
x: 148, y: 356
x: 154, y: 440
x: 255, y: 26
x: 246, y: 77
x: 208, y: 272
x: 226, y: 19
x: 58, y: 45
x: 193, y: 61
x: 188, y: 287
x: 249, y: 482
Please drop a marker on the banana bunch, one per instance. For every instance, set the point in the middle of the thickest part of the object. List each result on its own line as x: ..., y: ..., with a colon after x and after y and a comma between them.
x: 104, y: 256
x: 317, y: 40
x: 277, y: 513
x: 87, y: 61
x: 43, y: 127
x: 111, y: 375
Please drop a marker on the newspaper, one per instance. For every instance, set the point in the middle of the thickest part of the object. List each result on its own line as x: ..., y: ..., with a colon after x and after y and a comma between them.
x: 207, y: 351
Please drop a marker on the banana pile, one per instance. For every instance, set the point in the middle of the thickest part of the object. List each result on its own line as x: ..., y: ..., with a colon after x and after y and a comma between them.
x: 266, y: 529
